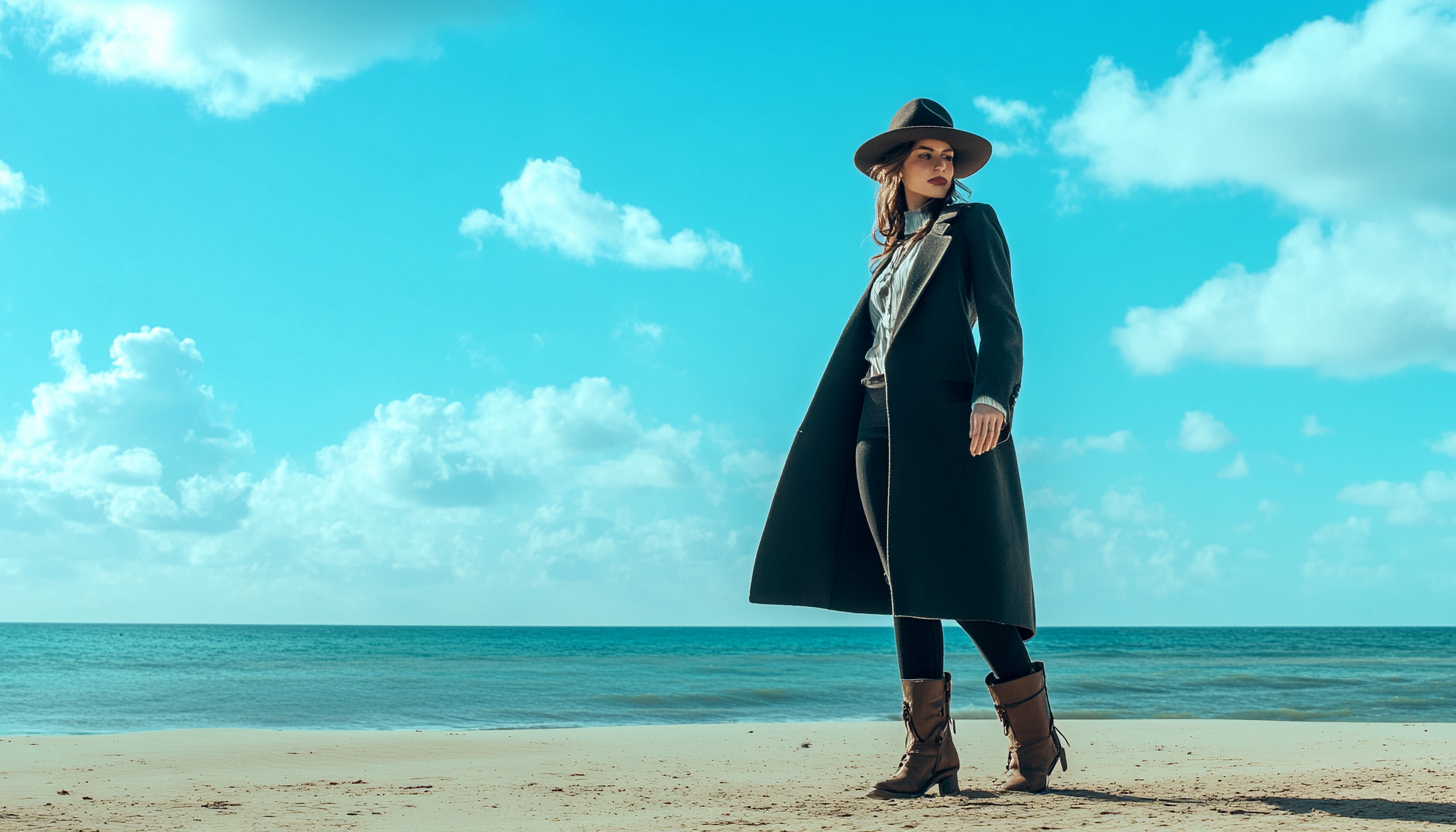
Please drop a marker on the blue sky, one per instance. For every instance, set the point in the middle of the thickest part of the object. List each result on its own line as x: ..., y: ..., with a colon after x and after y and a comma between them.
x: 477, y: 313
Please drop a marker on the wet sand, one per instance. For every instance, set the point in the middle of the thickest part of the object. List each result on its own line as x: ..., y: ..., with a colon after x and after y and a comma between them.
x: 1183, y: 774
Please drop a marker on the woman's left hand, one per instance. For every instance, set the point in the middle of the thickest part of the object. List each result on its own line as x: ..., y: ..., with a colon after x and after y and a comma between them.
x: 986, y: 424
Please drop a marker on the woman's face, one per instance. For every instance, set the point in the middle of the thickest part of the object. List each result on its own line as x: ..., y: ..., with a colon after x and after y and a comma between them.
x: 928, y: 171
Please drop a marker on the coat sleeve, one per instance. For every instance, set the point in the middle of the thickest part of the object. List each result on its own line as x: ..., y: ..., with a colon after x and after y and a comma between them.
x: 988, y: 259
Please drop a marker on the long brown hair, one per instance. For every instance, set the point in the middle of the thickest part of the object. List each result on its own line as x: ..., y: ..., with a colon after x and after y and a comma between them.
x: 890, y: 204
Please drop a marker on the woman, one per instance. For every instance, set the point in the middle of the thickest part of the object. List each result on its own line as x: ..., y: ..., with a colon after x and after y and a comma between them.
x: 941, y: 532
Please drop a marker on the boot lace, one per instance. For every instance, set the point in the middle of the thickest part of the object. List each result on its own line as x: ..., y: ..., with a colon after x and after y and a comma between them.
x: 909, y: 722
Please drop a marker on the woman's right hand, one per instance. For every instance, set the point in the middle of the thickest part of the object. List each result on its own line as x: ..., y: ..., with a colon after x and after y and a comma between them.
x: 986, y: 422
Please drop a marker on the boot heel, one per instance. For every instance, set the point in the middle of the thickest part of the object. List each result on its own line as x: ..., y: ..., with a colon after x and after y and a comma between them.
x: 950, y: 786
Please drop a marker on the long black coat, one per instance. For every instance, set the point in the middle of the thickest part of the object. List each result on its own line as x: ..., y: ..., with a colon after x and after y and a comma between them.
x: 956, y: 537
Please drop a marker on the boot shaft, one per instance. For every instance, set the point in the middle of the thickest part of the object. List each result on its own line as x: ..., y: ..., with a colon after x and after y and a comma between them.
x: 925, y: 707
x: 1026, y: 717
x: 1022, y: 705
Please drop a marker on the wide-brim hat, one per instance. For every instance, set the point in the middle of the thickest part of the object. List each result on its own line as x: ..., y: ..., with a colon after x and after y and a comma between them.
x: 925, y: 119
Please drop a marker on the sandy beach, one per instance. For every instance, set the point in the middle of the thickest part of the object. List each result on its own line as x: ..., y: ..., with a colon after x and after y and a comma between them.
x: 1190, y: 774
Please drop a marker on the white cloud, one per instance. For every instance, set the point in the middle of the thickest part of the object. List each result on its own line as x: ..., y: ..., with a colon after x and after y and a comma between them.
x: 546, y: 208
x: 514, y: 487
x: 15, y: 192
x: 1136, y: 541
x: 1312, y: 427
x: 758, y: 469
x: 1340, y: 555
x: 1128, y: 506
x: 512, y: 500
x: 1335, y: 117
x: 1020, y: 117
x: 1009, y: 113
x: 1205, y: 561
x: 1446, y: 444
x: 650, y: 331
x: 1048, y: 498
x: 139, y: 445
x: 1067, y: 197
x: 1081, y: 523
x: 1362, y: 299
x: 430, y: 451
x: 1116, y: 442
x: 1406, y: 502
x: 234, y: 57
x: 1237, y: 469
x: 1348, y: 121
x: 1352, y: 532
x: 1200, y: 432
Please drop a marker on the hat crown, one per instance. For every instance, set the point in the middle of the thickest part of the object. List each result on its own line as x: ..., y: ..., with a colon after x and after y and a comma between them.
x: 922, y: 118
x: 921, y: 112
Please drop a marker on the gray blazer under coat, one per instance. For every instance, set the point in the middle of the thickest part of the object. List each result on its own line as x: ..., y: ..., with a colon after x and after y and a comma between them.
x: 956, y: 533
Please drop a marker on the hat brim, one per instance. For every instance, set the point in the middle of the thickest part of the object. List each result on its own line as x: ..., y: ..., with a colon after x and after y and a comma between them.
x: 972, y: 152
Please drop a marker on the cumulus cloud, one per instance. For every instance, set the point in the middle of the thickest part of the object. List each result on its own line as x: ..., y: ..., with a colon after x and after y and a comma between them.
x: 140, y: 445
x: 1336, y: 116
x: 758, y: 469
x: 1048, y: 498
x: 1128, y: 506
x: 1237, y: 469
x: 644, y: 334
x: 1137, y: 540
x: 1352, y: 300
x: 1023, y: 119
x: 1339, y: 551
x: 1312, y: 427
x: 1200, y: 432
x: 1142, y: 550
x: 1353, y: 531
x: 513, y: 487
x: 1009, y: 113
x: 233, y: 57
x: 1116, y: 442
x: 648, y: 330
x: 1082, y: 524
x: 15, y: 192
x: 134, y: 472
x: 1347, y: 121
x: 546, y: 208
x: 1205, y: 561
x: 428, y: 451
x: 1446, y: 444
x: 1406, y: 503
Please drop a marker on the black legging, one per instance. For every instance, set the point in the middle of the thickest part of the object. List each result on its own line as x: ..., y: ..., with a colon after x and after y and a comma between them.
x: 920, y: 642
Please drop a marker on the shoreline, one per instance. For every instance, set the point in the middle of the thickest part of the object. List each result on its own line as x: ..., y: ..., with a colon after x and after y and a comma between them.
x: 966, y: 715
x: 1202, y: 773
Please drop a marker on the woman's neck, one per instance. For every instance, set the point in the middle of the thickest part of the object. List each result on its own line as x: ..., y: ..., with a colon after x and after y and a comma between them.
x: 916, y: 202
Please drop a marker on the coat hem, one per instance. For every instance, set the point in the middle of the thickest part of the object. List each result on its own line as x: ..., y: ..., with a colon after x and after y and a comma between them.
x: 1027, y: 633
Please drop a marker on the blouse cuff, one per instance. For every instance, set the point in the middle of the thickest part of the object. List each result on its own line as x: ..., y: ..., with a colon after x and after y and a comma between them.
x: 992, y: 402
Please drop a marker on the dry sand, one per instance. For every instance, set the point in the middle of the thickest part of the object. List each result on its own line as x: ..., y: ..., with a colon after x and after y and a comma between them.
x: 1186, y: 774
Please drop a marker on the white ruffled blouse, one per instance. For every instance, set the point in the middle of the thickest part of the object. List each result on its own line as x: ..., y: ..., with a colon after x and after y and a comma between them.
x: 887, y: 292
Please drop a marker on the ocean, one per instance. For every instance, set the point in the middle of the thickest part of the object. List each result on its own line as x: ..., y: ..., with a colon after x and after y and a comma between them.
x: 97, y: 678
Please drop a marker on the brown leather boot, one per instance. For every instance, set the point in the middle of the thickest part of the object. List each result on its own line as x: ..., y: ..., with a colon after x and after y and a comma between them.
x: 1026, y: 717
x: 930, y: 756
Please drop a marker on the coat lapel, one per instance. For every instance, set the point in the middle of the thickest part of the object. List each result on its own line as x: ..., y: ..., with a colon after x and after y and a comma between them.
x: 932, y: 248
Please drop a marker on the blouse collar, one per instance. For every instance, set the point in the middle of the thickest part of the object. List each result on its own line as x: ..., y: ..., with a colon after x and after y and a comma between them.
x: 915, y: 219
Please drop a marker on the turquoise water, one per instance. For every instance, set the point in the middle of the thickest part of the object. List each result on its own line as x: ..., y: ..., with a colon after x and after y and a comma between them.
x: 74, y: 678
